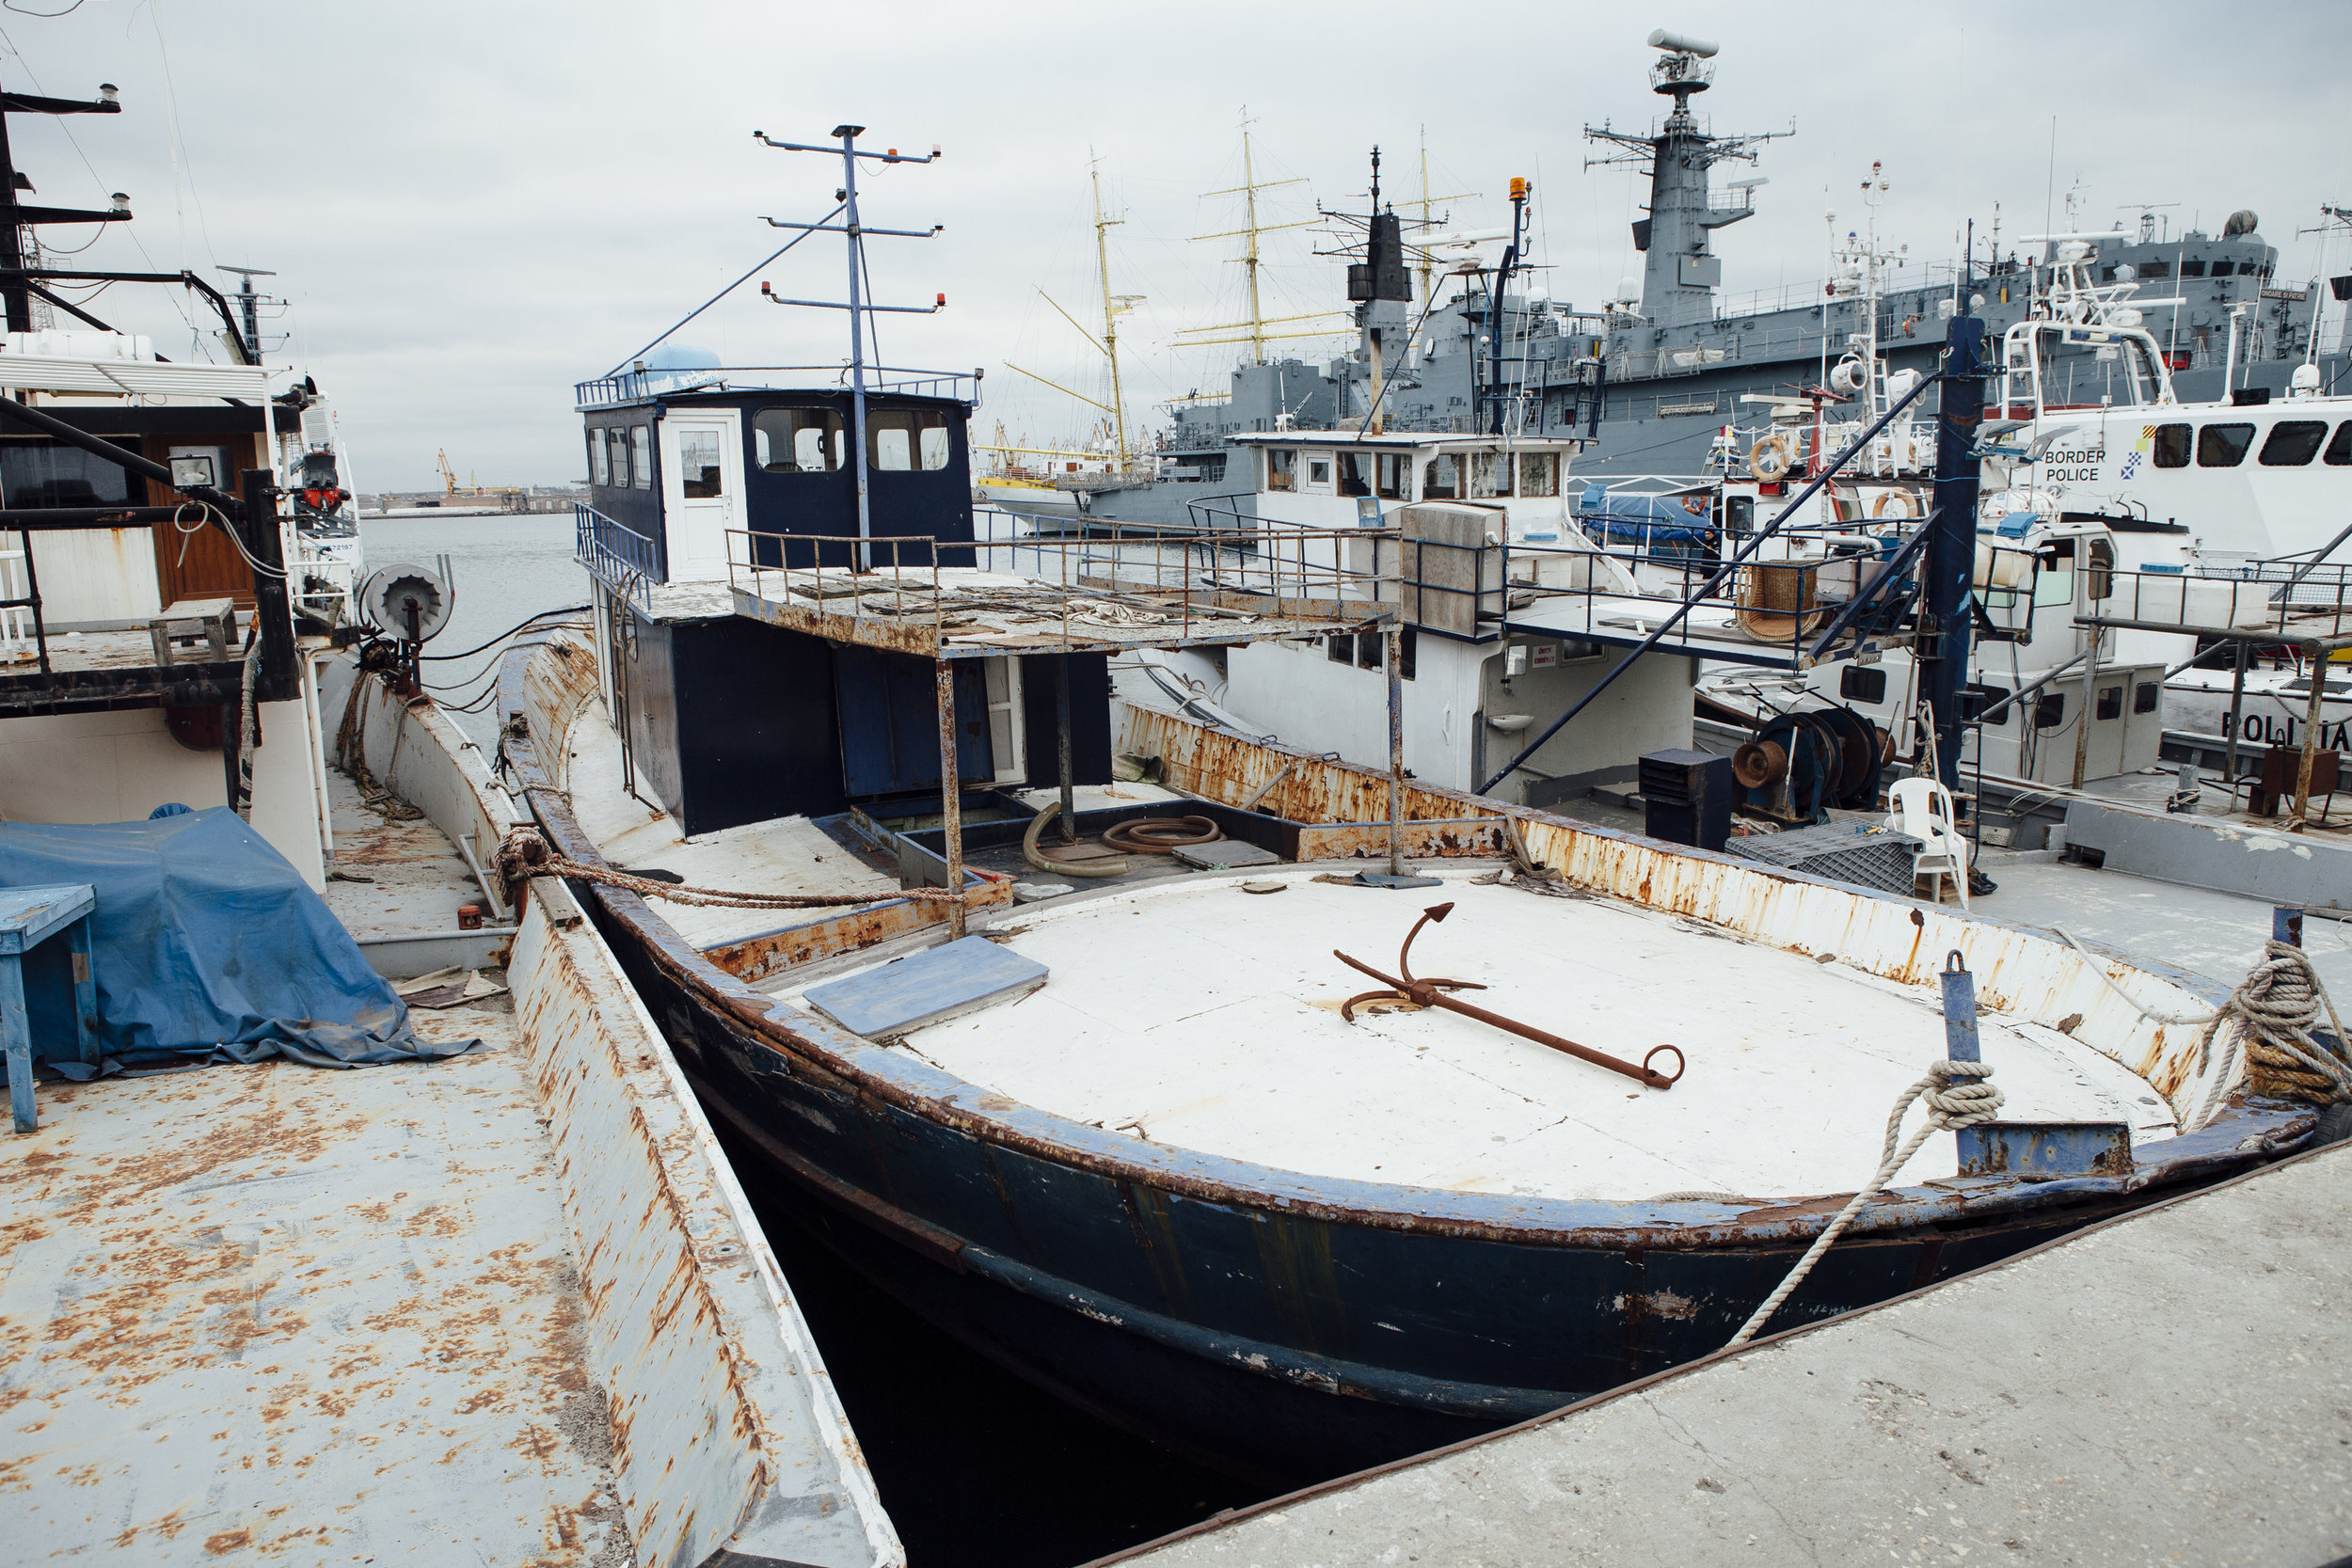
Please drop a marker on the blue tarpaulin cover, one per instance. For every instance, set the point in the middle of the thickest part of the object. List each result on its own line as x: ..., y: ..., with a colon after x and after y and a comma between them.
x: 1631, y: 516
x: 205, y: 945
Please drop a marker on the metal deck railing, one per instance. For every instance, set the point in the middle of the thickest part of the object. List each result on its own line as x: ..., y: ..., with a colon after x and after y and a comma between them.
x: 632, y: 387
x: 616, y: 555
x: 1043, y: 594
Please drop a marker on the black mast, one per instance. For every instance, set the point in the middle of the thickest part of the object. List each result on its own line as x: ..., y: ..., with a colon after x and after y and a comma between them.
x: 15, y: 216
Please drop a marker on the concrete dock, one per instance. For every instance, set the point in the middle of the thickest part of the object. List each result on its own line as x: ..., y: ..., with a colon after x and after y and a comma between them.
x: 2173, y: 1386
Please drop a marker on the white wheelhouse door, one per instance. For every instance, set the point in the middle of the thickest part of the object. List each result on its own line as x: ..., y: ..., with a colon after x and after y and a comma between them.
x: 702, y: 487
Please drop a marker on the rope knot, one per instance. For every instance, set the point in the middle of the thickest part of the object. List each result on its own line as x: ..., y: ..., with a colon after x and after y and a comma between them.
x: 2275, y: 1007
x: 1959, y: 1095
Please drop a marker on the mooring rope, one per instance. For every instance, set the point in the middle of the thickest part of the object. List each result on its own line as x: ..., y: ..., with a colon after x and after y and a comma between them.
x: 2274, y: 1008
x: 526, y: 854
x: 1957, y: 1096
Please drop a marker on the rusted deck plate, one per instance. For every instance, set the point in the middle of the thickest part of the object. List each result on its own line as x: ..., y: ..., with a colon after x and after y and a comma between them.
x: 277, y: 1313
x: 2168, y: 1387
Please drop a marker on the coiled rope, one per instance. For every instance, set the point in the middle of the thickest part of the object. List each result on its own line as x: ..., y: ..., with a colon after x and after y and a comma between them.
x: 526, y: 854
x: 2274, y: 1008
x: 1957, y: 1096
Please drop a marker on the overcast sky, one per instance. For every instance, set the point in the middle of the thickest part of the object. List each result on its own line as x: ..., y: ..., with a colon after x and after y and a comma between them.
x: 471, y: 206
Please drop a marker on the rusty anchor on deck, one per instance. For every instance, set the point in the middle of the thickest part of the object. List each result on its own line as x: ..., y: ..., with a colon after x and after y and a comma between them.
x: 1430, y: 993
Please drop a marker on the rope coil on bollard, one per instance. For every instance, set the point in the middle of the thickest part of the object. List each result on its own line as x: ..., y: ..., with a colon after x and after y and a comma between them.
x: 526, y: 854
x: 2274, y: 1008
x: 1957, y: 1096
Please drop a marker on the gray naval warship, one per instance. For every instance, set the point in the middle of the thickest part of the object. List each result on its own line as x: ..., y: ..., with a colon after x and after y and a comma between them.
x: 1655, y: 377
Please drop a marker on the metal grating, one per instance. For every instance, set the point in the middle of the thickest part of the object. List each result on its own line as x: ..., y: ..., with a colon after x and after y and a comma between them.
x: 1860, y: 853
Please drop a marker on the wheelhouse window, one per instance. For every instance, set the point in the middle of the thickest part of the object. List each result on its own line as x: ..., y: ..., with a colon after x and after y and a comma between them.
x: 699, y: 465
x: 2340, y: 450
x: 43, y: 477
x: 2171, y: 446
x: 1490, y: 474
x: 904, y: 439
x: 599, y: 471
x: 2100, y: 581
x: 1318, y: 473
x: 2293, y: 443
x: 2193, y: 269
x: 641, y: 455
x: 616, y: 453
x: 1540, y: 473
x: 1396, y: 476
x: 1356, y: 473
x: 2223, y: 446
x: 798, y: 442
x: 1440, y: 480
x: 1282, y: 468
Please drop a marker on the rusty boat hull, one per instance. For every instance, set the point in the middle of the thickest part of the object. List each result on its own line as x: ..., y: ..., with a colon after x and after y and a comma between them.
x: 1289, y: 1326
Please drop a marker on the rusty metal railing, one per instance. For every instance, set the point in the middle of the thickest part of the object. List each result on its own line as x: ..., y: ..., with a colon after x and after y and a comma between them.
x: 1093, y: 590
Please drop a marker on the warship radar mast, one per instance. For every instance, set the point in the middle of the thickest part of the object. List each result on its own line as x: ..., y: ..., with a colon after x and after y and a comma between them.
x: 1680, y: 274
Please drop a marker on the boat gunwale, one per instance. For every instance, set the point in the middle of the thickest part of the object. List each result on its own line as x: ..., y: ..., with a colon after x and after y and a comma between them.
x: 2248, y: 1130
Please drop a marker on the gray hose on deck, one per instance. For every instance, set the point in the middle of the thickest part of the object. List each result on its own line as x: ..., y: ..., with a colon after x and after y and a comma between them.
x: 1063, y: 868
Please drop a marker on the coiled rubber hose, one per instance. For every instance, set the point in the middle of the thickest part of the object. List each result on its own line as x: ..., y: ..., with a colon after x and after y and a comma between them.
x: 1063, y: 868
x: 1157, y: 835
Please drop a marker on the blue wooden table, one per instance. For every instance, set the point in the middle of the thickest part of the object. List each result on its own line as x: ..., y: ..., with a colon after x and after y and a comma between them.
x: 28, y: 917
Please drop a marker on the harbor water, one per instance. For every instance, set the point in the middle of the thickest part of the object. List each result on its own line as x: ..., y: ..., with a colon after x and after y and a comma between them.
x: 976, y: 1466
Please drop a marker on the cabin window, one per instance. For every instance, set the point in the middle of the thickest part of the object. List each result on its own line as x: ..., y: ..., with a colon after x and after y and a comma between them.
x: 799, y: 441
x: 2193, y: 269
x: 2293, y: 443
x: 699, y: 464
x: 52, y: 476
x: 1318, y: 473
x: 2155, y: 269
x: 899, y: 440
x: 616, y: 451
x: 1860, y: 684
x: 1368, y: 650
x: 2054, y: 585
x: 2340, y: 450
x: 2144, y: 696
x: 2049, y: 713
x: 1738, y: 514
x: 2223, y: 446
x: 1396, y: 475
x: 1438, y: 481
x: 2101, y: 564
x: 1408, y: 652
x: 1282, y: 468
x: 2110, y: 703
x: 641, y: 455
x: 599, y: 471
x: 1540, y: 473
x: 1340, y: 650
x: 2171, y: 446
x: 1490, y: 474
x: 1354, y: 473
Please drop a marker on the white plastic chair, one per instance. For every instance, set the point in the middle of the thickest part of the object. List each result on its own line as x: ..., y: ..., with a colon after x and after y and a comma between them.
x: 1923, y: 809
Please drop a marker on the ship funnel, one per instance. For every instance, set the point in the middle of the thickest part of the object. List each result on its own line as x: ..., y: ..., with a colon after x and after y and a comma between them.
x: 1683, y: 43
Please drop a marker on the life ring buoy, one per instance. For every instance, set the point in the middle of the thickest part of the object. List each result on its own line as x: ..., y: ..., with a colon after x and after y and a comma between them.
x: 1910, y: 507
x: 1770, y: 458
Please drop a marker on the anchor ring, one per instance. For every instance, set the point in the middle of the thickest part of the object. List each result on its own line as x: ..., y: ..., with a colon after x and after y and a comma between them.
x: 1679, y: 1064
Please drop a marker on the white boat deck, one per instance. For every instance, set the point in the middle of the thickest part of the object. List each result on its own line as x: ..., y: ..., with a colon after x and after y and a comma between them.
x: 787, y: 855
x: 306, y: 1315
x: 2167, y: 1387
x: 1195, y: 1014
